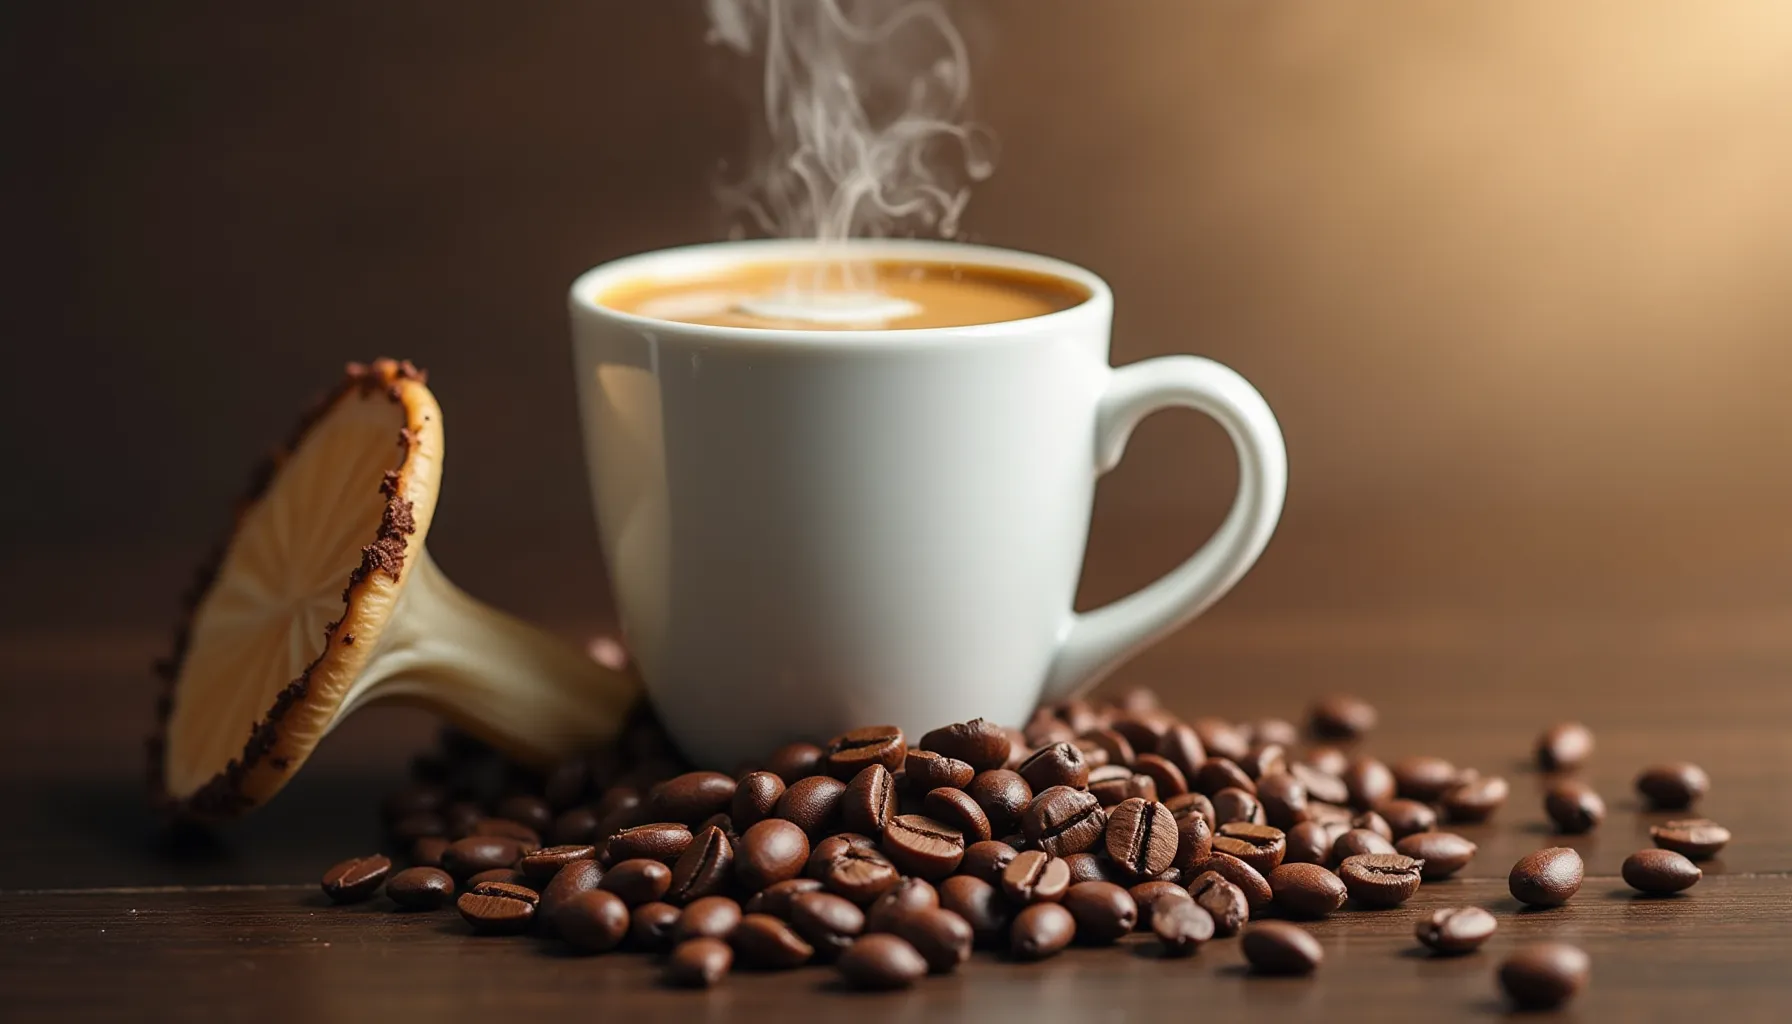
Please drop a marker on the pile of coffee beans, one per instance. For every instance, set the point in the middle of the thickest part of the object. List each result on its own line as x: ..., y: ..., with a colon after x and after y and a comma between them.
x: 892, y: 857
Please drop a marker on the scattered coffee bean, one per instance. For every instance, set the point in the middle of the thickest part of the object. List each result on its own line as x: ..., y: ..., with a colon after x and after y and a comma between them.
x: 1380, y: 880
x: 1164, y: 775
x: 1104, y: 912
x: 1221, y: 739
x: 699, y: 963
x: 704, y: 868
x: 1673, y: 786
x: 577, y: 877
x: 1088, y: 867
x: 1694, y: 838
x: 1475, y: 797
x: 1111, y: 743
x: 1142, y: 837
x: 496, y: 908
x: 979, y: 903
x: 775, y: 899
x: 465, y: 858
x: 527, y: 810
x: 1063, y: 821
x: 1308, y: 843
x: 882, y: 962
x: 1277, y: 947
x: 543, y: 864
x: 1359, y: 841
x: 981, y: 744
x: 1222, y: 900
x: 1368, y: 783
x: 356, y: 879
x: 1341, y: 716
x: 905, y: 897
x: 1307, y: 890
x: 1004, y: 797
x: 1194, y: 837
x: 1546, y: 878
x: 1231, y: 804
x: 1264, y: 759
x: 1181, y: 925
x: 1453, y: 931
x: 637, y: 881
x: 421, y: 888
x: 1146, y: 894
x: 1574, y: 806
x: 1035, y: 877
x: 1220, y: 773
x: 763, y: 941
x: 830, y: 923
x: 987, y: 860
x: 1544, y: 975
x: 1564, y: 746
x: 922, y: 846
x: 1182, y: 747
x: 812, y: 804
x: 869, y: 801
x: 1248, y: 879
x: 660, y: 840
x: 1423, y: 778
x: 1373, y: 822
x: 509, y: 876
x: 860, y: 874
x: 1061, y: 764
x: 927, y: 771
x: 941, y: 937
x: 850, y: 752
x: 771, y: 851
x: 956, y: 809
x: 1328, y: 760
x: 1042, y: 930
x: 427, y: 852
x: 593, y: 921
x: 1116, y: 784
x: 755, y: 797
x: 691, y: 797
x: 1443, y: 853
x: 1260, y: 846
x: 1284, y: 800
x: 1406, y: 817
x: 1658, y: 872
x: 711, y: 916
x: 795, y: 761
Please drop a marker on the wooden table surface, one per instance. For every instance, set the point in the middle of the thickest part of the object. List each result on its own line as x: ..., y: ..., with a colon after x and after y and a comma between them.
x: 100, y: 917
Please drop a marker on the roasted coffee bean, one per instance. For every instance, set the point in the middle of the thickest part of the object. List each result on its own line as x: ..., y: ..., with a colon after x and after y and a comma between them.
x: 577, y: 877
x: 525, y: 809
x: 651, y: 926
x: 1061, y: 764
x: 1186, y: 804
x: 1260, y: 846
x: 956, y: 809
x: 1181, y: 925
x: 1326, y: 759
x: 465, y: 858
x: 1423, y: 778
x: 1143, y: 729
x: 546, y: 862
x: 1443, y: 853
x: 1379, y: 880
x: 1564, y: 746
x: 413, y: 827
x: 987, y: 860
x: 592, y: 922
x: 1079, y: 714
x: 1660, y: 871
x: 1332, y: 816
x: 1248, y: 879
x: 1277, y: 947
x: 1146, y: 894
x: 1118, y: 750
x: 979, y: 743
x: 1165, y: 777
x: 628, y: 809
x: 1673, y: 786
x: 1284, y: 800
x: 830, y: 923
x: 356, y: 879
x: 1308, y: 843
x: 1475, y: 797
x: 699, y: 963
x: 1279, y: 731
x: 1230, y: 805
x: 421, y: 888
x: 1004, y: 797
x: 881, y: 963
x: 755, y: 798
x: 704, y: 867
x: 1046, y: 728
x: 1142, y: 837
x: 1104, y: 912
x: 1114, y: 784
x: 1221, y: 738
x: 1359, y: 841
x: 1036, y: 877
x: 574, y: 827
x: 795, y: 761
x: 660, y: 840
x: 1544, y: 975
x: 1088, y: 867
x: 1574, y: 806
x: 849, y: 752
x: 509, y: 876
x: 1405, y: 817
x: 1042, y: 930
x: 1546, y: 878
x: 1062, y: 821
x: 905, y: 897
x: 1264, y: 759
x: 637, y: 881
x: 941, y: 937
x: 495, y: 908
x: 927, y: 770
x: 860, y: 875
x: 1220, y: 773
x: 979, y: 903
x: 462, y: 817
x: 1182, y: 747
x: 1368, y: 783
x: 1694, y: 838
x: 1341, y: 716
x: 763, y: 941
x: 427, y: 852
x: 1194, y: 839
x: 1225, y: 902
x: 775, y: 899
x: 813, y: 804
x: 869, y: 801
x: 1453, y: 931
x: 1317, y: 785
x: 824, y: 853
x: 1375, y: 823
x: 919, y: 845
x: 691, y: 797
x: 1307, y: 890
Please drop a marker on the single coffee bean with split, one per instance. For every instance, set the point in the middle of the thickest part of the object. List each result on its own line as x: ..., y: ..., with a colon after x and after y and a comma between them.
x: 1220, y: 773
x: 979, y: 743
x: 1673, y: 786
x: 1443, y: 853
x: 704, y: 868
x: 860, y: 874
x: 763, y: 941
x: 1475, y: 797
x: 919, y: 845
x: 1658, y: 872
x: 1104, y: 912
x: 1284, y: 800
x: 869, y: 801
x: 356, y: 879
x: 1564, y: 747
x: 1231, y: 804
x: 987, y: 860
x: 1341, y: 716
x: 1546, y: 878
x: 1165, y: 777
x: 1181, y: 925
x: 812, y: 804
x: 1142, y: 837
x: 1574, y: 806
x: 1544, y: 975
x: 660, y: 840
x: 1222, y: 900
x: 1307, y: 890
x: 650, y: 926
x: 755, y: 796
x: 927, y: 770
x: 1035, y: 877
x: 543, y: 864
x: 691, y: 797
x: 1308, y: 843
x: 1146, y: 894
x: 881, y: 962
x: 956, y: 809
x: 775, y: 899
x: 495, y: 908
x: 1423, y: 778
x: 1260, y: 846
x: 1356, y: 841
x: 1061, y: 764
x: 1004, y: 797
x: 849, y: 752
x: 1694, y: 838
x: 907, y: 896
x: 830, y: 923
x: 1368, y: 783
x: 421, y: 888
x: 1042, y: 930
x: 637, y: 881
x: 941, y: 937
x: 1277, y: 947
x: 1248, y: 879
x: 1062, y: 821
x: 1381, y: 880
x: 711, y: 916
x: 577, y: 877
x: 979, y: 903
x: 771, y: 851
x: 699, y: 963
x: 1453, y: 931
x: 593, y: 922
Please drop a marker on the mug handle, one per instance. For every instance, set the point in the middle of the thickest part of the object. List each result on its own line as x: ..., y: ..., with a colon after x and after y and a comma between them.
x: 1094, y: 643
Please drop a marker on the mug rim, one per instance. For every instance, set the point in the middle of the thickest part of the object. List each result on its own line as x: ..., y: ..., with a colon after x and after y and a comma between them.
x: 705, y: 257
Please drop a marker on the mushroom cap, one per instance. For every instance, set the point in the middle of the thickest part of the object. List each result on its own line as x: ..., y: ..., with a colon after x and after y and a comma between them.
x: 286, y: 615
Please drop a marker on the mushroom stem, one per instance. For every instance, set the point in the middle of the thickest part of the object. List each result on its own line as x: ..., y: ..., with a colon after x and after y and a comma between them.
x: 528, y: 693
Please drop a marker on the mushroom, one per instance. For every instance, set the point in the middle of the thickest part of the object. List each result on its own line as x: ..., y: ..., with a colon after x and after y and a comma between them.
x: 324, y: 600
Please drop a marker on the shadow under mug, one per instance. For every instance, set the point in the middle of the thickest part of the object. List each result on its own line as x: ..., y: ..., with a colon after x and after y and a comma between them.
x: 814, y: 530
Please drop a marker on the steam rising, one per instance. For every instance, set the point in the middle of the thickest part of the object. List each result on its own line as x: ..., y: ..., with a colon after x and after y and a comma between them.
x: 866, y: 110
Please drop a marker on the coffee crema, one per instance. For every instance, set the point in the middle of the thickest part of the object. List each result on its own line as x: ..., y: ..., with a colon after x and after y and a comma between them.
x: 820, y: 295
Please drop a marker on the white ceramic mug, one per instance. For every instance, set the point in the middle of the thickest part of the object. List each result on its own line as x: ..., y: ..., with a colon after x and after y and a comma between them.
x: 809, y: 531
